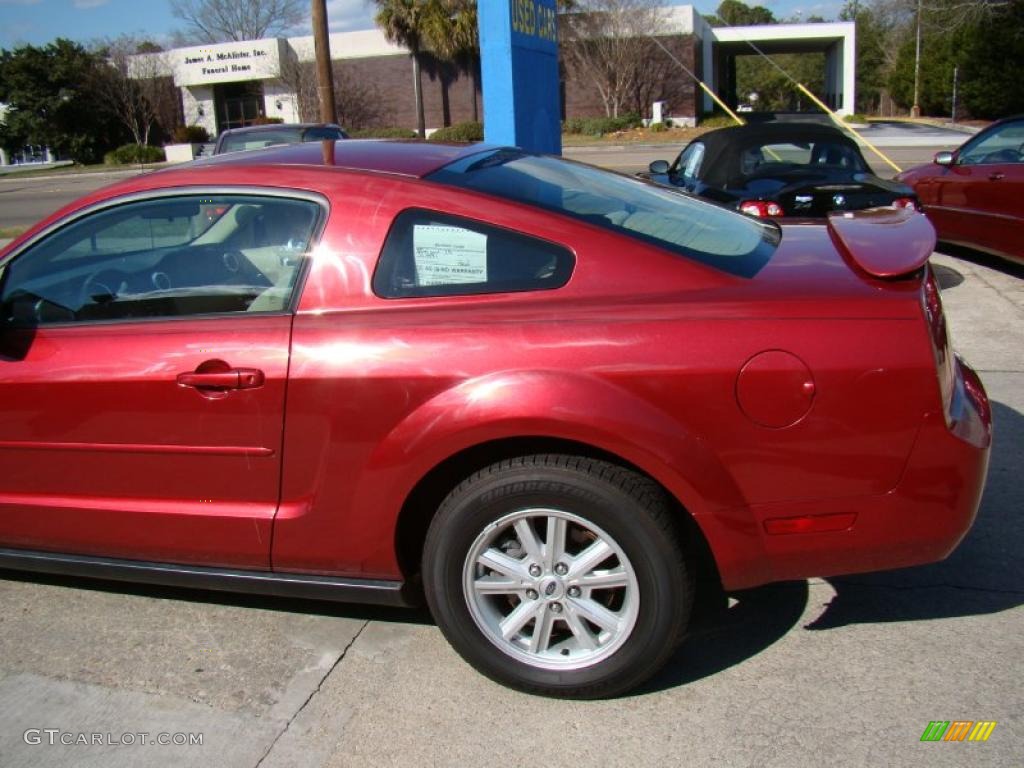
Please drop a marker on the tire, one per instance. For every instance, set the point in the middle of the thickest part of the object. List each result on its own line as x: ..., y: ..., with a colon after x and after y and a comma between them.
x: 591, y: 619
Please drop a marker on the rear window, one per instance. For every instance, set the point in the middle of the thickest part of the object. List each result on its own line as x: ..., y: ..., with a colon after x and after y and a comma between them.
x: 786, y: 157
x: 685, y: 226
x: 275, y: 136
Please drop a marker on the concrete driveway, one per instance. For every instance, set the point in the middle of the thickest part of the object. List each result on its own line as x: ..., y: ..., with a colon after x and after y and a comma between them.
x: 843, y: 671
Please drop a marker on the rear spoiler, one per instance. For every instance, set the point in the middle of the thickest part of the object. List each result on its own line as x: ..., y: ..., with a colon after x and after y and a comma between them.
x: 884, y: 242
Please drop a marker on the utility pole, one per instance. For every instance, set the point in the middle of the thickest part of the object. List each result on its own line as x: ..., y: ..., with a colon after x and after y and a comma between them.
x: 325, y: 77
x: 915, y: 111
x: 956, y: 76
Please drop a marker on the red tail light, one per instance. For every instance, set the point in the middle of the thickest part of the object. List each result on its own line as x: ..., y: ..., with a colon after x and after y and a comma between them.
x: 905, y: 202
x: 763, y: 209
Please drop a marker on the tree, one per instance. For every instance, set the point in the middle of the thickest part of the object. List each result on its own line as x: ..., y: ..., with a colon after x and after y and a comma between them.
x: 137, y: 90
x: 733, y: 13
x: 452, y: 33
x: 51, y: 96
x: 872, y: 64
x: 607, y: 43
x: 405, y: 22
x: 217, y: 21
x: 357, y: 103
x: 982, y: 38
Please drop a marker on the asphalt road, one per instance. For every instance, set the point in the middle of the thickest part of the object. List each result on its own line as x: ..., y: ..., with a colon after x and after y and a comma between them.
x: 24, y: 201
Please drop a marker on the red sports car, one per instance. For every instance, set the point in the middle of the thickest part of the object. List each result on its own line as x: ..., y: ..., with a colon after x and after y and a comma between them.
x: 975, y: 196
x: 541, y: 394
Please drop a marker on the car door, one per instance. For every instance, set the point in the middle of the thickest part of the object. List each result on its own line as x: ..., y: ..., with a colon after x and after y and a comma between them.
x: 143, y: 362
x: 978, y: 199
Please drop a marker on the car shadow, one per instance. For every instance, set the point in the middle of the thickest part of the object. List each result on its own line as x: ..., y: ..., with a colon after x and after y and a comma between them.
x: 980, y: 258
x: 984, y: 575
x: 947, y: 277
x: 412, y: 615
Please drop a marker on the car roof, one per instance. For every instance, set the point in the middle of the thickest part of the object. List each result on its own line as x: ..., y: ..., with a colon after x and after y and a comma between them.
x: 723, y: 145
x: 406, y: 157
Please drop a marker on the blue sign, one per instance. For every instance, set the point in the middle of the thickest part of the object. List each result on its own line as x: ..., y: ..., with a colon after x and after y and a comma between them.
x: 519, y: 68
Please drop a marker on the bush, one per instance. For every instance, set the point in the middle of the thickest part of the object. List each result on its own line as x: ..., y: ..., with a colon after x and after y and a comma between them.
x: 856, y: 118
x: 599, y: 126
x: 718, y: 120
x: 459, y: 132
x: 130, y: 154
x: 191, y: 134
x: 264, y: 120
x: 386, y: 132
x: 657, y: 127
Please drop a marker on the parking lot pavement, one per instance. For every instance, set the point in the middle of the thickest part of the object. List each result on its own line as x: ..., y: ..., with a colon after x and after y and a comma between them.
x: 839, y: 671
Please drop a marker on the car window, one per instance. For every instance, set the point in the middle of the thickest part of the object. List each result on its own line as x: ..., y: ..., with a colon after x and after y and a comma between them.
x: 644, y: 211
x: 163, y: 257
x: 433, y: 254
x: 688, y: 163
x: 1005, y: 144
x: 782, y: 157
x: 321, y: 132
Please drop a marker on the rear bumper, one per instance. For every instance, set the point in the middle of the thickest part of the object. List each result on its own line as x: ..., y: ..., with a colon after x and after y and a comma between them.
x: 921, y: 520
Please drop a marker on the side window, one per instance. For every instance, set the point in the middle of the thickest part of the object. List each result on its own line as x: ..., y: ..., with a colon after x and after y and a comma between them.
x: 688, y: 162
x: 164, y: 257
x: 1004, y: 145
x: 434, y: 254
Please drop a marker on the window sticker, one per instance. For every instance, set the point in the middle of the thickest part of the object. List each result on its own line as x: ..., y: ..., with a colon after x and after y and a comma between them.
x: 449, y: 255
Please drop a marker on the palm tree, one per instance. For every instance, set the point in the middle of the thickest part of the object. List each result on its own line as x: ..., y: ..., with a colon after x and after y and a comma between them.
x: 404, y: 22
x: 451, y: 30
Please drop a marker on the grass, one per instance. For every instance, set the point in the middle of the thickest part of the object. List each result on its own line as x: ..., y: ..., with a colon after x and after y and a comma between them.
x: 6, y: 233
x: 76, y: 169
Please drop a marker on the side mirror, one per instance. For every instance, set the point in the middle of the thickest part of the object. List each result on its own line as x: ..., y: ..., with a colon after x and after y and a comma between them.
x: 944, y: 158
x: 659, y: 167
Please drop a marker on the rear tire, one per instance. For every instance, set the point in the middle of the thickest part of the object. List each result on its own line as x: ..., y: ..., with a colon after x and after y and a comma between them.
x: 558, y: 575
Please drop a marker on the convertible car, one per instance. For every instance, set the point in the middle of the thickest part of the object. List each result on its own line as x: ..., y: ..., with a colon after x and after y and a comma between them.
x: 542, y: 396
x: 780, y: 169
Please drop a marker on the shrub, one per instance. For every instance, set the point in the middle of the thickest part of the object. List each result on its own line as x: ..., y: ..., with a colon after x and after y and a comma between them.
x: 657, y: 127
x: 717, y: 120
x: 264, y: 120
x: 191, y: 134
x: 459, y: 132
x: 386, y: 132
x: 598, y: 126
x: 856, y: 118
x: 130, y: 154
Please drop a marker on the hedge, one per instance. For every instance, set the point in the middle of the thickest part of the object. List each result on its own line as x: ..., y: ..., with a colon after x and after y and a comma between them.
x: 130, y: 154
x: 459, y: 132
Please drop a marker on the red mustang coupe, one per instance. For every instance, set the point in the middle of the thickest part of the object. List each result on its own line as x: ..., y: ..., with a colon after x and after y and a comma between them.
x: 531, y: 390
x: 975, y: 196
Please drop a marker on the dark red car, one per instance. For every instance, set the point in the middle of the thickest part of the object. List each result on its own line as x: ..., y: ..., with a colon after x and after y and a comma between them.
x: 975, y: 195
x: 530, y: 389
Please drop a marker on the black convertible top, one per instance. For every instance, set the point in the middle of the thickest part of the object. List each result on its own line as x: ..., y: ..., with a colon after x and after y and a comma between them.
x: 724, y: 146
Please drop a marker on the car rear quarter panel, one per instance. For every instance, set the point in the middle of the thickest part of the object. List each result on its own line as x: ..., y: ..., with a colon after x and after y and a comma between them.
x: 638, y: 356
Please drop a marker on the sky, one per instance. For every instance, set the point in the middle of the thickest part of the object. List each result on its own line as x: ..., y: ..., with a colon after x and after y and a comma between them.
x: 41, y: 21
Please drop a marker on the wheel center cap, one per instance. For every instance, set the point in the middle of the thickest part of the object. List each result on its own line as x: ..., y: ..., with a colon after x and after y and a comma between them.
x: 551, y: 588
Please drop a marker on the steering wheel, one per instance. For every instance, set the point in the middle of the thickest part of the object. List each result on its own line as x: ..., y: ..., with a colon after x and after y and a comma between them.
x: 97, y: 288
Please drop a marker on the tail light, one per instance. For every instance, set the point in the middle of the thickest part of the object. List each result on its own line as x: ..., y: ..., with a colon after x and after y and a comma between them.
x: 905, y: 202
x: 763, y: 209
x: 944, y: 360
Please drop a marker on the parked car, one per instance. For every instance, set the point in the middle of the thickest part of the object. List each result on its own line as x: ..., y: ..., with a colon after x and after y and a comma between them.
x: 780, y: 169
x: 975, y: 195
x: 544, y: 395
x: 261, y: 136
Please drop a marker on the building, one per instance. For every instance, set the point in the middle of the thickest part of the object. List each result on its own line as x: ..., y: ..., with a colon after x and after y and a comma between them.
x: 234, y: 84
